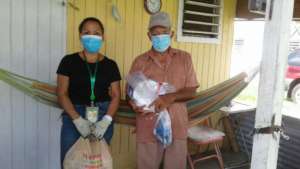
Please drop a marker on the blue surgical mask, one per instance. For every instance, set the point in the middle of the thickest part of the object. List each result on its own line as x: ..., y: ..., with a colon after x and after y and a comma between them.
x: 161, y: 43
x: 91, y: 43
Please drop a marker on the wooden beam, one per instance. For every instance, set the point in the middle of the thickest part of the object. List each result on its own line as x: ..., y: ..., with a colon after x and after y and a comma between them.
x: 296, y: 15
x: 271, y: 87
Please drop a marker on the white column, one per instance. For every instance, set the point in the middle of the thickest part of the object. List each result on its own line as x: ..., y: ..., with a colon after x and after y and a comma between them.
x: 270, y: 97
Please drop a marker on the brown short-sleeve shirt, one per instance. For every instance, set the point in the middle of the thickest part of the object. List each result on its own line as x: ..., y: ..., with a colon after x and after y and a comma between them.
x: 178, y: 72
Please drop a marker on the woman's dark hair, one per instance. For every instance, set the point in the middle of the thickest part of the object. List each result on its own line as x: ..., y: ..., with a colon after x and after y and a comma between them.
x: 88, y: 19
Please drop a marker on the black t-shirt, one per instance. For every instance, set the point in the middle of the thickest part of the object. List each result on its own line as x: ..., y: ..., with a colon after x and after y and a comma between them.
x: 76, y: 69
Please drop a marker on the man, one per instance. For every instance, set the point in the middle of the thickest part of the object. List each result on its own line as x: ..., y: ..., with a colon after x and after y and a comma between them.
x: 163, y: 63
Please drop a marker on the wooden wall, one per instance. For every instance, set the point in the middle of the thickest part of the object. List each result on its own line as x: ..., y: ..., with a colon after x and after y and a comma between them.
x: 32, y: 44
x: 126, y: 39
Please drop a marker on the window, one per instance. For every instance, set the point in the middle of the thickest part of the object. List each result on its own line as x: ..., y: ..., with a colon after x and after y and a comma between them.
x: 199, y: 21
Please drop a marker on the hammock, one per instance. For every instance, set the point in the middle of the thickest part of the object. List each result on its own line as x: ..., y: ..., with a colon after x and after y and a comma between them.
x: 200, y: 107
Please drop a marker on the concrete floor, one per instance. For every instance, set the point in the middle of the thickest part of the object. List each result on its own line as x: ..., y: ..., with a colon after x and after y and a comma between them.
x: 231, y: 161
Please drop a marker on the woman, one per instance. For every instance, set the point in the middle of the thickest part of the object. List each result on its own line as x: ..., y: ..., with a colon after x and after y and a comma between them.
x: 88, y: 85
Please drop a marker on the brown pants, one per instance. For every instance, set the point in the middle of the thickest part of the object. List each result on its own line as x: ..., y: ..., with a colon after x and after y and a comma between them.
x: 150, y: 155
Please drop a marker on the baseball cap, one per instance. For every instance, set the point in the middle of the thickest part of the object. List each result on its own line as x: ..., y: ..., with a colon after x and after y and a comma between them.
x: 160, y: 19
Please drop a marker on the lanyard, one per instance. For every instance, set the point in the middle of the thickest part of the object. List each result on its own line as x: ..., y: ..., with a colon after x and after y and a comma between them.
x: 92, y: 79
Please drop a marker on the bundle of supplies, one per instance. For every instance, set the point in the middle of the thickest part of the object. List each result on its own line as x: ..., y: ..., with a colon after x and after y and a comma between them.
x: 144, y: 91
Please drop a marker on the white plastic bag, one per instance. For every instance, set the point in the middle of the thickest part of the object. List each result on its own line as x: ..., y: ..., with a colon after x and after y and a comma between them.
x: 162, y: 129
x: 143, y: 92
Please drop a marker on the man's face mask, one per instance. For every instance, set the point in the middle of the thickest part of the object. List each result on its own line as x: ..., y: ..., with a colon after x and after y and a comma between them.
x: 92, y: 43
x: 161, y: 43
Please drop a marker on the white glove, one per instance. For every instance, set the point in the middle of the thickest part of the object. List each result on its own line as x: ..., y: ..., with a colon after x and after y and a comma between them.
x: 83, y: 126
x: 101, y: 126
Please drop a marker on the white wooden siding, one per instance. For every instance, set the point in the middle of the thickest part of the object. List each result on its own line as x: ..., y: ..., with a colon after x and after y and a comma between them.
x: 32, y: 43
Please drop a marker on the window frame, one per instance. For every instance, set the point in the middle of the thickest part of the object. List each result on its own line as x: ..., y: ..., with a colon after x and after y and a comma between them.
x: 184, y: 38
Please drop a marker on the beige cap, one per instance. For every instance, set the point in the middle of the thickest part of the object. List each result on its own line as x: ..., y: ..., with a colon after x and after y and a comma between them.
x: 160, y: 19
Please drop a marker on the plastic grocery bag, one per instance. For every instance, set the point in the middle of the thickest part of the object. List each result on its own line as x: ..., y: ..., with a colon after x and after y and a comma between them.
x: 143, y: 91
x: 88, y: 154
x: 162, y: 129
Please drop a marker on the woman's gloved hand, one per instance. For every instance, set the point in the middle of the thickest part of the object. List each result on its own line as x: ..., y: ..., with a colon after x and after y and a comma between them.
x: 101, y: 126
x: 83, y: 126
